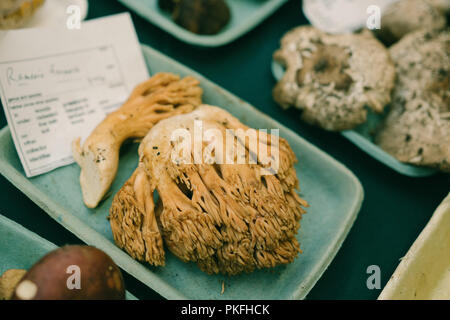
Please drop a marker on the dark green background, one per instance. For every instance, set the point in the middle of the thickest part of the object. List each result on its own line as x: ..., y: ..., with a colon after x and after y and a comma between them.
x: 395, y: 208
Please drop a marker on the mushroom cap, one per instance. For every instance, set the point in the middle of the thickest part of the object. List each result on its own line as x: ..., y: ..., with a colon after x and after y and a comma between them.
x: 333, y: 79
x: 228, y: 218
x: 406, y: 16
x: 417, y: 128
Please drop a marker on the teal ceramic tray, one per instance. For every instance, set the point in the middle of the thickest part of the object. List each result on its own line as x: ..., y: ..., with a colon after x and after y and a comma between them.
x: 20, y: 248
x: 333, y: 192
x: 362, y: 137
x: 245, y: 15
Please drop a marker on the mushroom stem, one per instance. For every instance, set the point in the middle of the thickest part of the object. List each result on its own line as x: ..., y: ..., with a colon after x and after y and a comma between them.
x: 26, y: 290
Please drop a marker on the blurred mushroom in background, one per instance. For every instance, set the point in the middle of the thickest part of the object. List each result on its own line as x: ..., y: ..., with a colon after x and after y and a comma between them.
x: 406, y: 16
x: 198, y: 16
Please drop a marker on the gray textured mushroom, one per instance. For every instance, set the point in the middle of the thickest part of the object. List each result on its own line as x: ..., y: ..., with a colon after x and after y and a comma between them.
x: 333, y: 79
x: 228, y: 218
x: 406, y: 16
x: 417, y: 128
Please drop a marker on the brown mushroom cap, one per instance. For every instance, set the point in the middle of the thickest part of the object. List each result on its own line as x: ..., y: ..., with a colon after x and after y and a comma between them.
x: 406, y: 16
x: 417, y: 128
x: 229, y: 218
x: 333, y: 78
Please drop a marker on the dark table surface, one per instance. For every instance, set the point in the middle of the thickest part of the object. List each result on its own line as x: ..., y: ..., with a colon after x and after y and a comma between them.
x: 395, y: 210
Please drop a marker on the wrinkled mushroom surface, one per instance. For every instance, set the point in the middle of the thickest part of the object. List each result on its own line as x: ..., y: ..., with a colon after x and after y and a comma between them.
x: 406, y: 16
x: 160, y: 97
x: 333, y: 79
x: 228, y: 218
x: 417, y: 128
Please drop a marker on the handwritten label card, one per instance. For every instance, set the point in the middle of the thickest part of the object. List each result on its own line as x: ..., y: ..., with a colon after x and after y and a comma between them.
x: 58, y: 84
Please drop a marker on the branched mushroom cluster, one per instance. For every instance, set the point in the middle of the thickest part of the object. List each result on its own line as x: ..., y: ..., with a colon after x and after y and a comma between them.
x: 228, y: 218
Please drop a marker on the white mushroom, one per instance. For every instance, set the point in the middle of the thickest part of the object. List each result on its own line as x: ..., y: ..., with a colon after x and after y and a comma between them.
x: 417, y: 128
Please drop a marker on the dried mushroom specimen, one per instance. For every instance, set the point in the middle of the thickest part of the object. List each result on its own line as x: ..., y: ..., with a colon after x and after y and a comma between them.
x: 160, y: 97
x: 228, y: 218
x: 15, y: 13
x: 8, y: 282
x: 333, y: 79
x: 199, y: 16
x: 406, y: 16
x: 417, y: 128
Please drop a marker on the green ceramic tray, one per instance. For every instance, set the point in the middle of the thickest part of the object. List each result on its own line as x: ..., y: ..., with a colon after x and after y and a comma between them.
x: 362, y: 137
x: 20, y: 248
x: 245, y: 15
x: 334, y: 194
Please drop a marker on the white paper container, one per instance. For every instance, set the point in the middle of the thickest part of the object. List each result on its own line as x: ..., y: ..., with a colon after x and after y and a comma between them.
x: 424, y: 272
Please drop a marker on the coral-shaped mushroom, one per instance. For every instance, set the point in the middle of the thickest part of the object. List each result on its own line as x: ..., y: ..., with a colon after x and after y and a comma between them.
x: 160, y: 97
x: 417, y: 127
x: 228, y: 216
x: 333, y: 79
